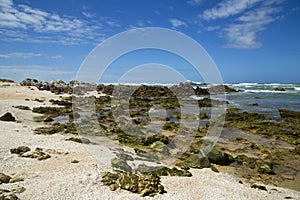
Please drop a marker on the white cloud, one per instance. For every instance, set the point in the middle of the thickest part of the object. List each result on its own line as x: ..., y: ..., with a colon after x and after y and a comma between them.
x: 45, y: 25
x: 19, y: 55
x: 212, y: 28
x: 228, y: 8
x: 194, y: 2
x: 56, y: 57
x: 176, y: 23
x: 248, y: 19
x: 243, y: 34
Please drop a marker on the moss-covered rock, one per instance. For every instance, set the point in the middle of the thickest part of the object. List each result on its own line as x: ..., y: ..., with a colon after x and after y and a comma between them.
x: 259, y: 165
x: 218, y: 156
x: 145, y: 184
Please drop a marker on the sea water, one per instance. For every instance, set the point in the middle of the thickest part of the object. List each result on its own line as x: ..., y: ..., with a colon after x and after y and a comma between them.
x: 263, y: 98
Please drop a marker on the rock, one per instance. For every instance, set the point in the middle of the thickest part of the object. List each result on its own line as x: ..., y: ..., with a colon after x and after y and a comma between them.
x: 48, y: 119
x: 219, y: 157
x: 158, y: 146
x: 203, y: 115
x: 260, y: 165
x: 79, y: 140
x: 120, y: 164
x: 129, y: 181
x: 29, y: 82
x: 36, y: 154
x: 7, y: 117
x: 289, y: 114
x: 145, y: 184
x: 16, y: 179
x: 74, y: 161
x: 4, y: 178
x: 20, y: 150
x: 7, y: 195
x: 22, y: 107
x: 260, y: 187
x: 19, y: 190
x: 279, y: 89
x: 195, y: 161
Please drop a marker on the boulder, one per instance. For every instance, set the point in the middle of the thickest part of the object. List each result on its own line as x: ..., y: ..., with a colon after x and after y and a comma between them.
x: 219, y: 157
x: 8, y: 117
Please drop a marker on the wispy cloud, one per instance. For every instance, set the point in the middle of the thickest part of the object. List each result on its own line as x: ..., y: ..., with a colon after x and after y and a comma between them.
x: 228, y: 8
x: 25, y: 19
x: 249, y: 18
x: 19, y: 55
x: 176, y: 23
x: 194, y: 2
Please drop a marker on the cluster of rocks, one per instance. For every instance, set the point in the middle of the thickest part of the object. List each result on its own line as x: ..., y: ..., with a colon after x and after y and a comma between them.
x: 24, y: 151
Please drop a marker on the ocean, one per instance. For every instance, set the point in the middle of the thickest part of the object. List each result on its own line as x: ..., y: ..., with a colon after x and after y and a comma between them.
x: 263, y: 98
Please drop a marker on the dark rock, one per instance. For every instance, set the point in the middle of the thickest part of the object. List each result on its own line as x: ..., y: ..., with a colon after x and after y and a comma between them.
x: 259, y: 165
x: 8, y: 117
x: 79, y: 140
x: 260, y: 187
x: 195, y: 161
x: 48, y: 130
x: 74, y: 161
x: 219, y: 157
x: 4, y: 178
x: 221, y: 88
x: 19, y: 150
x: 29, y: 82
x: 203, y: 115
x: 279, y: 89
x: 289, y: 114
x: 22, y: 107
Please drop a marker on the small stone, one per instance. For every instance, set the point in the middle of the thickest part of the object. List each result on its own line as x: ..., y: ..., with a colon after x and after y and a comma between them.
x: 4, y: 178
x: 74, y: 161
x: 260, y: 187
x: 213, y: 168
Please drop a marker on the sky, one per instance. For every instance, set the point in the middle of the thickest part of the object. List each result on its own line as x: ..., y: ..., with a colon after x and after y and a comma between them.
x: 248, y: 40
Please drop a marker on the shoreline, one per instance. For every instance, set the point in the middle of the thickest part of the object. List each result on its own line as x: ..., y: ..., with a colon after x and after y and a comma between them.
x: 58, y: 176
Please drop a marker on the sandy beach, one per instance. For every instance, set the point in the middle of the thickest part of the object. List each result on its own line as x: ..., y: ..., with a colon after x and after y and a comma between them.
x: 73, y: 173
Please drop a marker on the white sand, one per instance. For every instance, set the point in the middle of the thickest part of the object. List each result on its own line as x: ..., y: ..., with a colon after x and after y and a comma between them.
x: 58, y: 178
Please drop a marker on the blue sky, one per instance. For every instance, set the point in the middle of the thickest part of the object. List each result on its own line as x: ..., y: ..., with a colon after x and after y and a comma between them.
x: 249, y: 40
